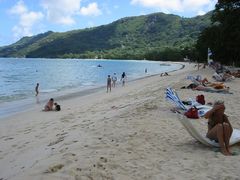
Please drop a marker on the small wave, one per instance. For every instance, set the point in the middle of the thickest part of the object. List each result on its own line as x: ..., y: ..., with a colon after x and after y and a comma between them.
x: 88, y: 84
x: 48, y: 90
x: 164, y: 64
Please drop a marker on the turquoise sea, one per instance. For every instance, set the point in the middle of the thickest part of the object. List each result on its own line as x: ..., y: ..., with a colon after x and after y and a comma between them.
x: 18, y: 77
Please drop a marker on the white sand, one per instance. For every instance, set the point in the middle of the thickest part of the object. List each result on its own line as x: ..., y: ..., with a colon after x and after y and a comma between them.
x: 129, y: 133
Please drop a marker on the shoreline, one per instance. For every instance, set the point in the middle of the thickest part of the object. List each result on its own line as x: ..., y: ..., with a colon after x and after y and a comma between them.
x: 24, y: 105
x: 129, y: 133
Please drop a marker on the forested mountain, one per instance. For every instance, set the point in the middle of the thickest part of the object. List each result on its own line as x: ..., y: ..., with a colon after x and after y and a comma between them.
x: 153, y: 36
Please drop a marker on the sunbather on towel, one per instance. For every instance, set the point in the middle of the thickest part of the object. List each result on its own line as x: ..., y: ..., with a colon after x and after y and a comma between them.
x: 219, y: 127
x: 216, y: 85
x: 204, y: 82
x: 212, y: 89
x: 217, y: 88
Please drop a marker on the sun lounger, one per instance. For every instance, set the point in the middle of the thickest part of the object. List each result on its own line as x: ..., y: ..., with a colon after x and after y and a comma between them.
x: 173, y: 97
x: 186, y: 122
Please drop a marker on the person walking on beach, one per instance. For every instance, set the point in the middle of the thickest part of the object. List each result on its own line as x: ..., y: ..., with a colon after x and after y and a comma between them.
x: 123, y: 78
x: 114, y: 80
x: 219, y: 127
x: 109, y: 83
x: 36, y: 89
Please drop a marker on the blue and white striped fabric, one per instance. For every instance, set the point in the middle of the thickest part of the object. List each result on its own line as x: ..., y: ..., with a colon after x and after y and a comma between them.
x: 172, y: 96
x: 209, y: 52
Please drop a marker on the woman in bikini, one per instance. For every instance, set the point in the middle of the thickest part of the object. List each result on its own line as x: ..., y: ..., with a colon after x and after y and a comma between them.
x: 219, y: 127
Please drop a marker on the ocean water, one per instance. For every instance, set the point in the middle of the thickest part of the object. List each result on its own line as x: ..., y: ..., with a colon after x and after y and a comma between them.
x: 18, y: 76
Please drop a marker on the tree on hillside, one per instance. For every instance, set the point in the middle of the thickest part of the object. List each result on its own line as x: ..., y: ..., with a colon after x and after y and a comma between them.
x: 223, y: 37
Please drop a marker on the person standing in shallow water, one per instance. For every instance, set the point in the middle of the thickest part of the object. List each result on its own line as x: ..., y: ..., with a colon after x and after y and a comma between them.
x: 109, y: 83
x: 37, y: 89
x: 114, y: 80
x: 123, y: 78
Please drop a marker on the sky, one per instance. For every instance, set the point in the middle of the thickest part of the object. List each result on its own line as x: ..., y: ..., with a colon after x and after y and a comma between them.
x: 19, y: 18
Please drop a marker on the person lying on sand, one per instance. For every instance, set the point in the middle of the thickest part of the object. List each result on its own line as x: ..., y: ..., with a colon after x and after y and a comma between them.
x: 210, y: 88
x: 205, y: 82
x: 214, y: 85
x: 219, y: 127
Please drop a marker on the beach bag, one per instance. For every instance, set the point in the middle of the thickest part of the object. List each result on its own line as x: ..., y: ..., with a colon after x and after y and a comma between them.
x: 192, y: 113
x: 200, y: 99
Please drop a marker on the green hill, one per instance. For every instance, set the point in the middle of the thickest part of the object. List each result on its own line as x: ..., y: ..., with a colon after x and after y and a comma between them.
x: 127, y: 38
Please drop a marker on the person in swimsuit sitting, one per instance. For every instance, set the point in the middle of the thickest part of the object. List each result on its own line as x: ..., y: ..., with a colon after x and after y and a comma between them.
x: 49, y: 105
x: 219, y: 127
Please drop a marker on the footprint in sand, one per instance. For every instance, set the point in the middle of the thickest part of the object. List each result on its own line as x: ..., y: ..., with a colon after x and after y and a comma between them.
x: 71, y: 142
x: 9, y: 138
x: 55, y: 168
x: 57, y: 141
x: 103, y: 159
x: 64, y: 133
x: 69, y: 158
x: 63, y: 150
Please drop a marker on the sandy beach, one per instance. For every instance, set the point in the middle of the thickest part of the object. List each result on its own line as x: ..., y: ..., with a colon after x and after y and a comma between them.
x: 129, y: 133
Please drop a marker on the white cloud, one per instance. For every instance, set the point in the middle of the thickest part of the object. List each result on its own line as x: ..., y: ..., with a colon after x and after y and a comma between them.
x: 164, y: 5
x: 91, y: 10
x: 195, y: 4
x: 61, y: 11
x: 27, y: 20
x: 19, y: 8
x: 176, y: 5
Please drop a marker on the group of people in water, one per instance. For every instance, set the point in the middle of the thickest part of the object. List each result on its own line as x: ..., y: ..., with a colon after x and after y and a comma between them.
x: 111, y: 81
